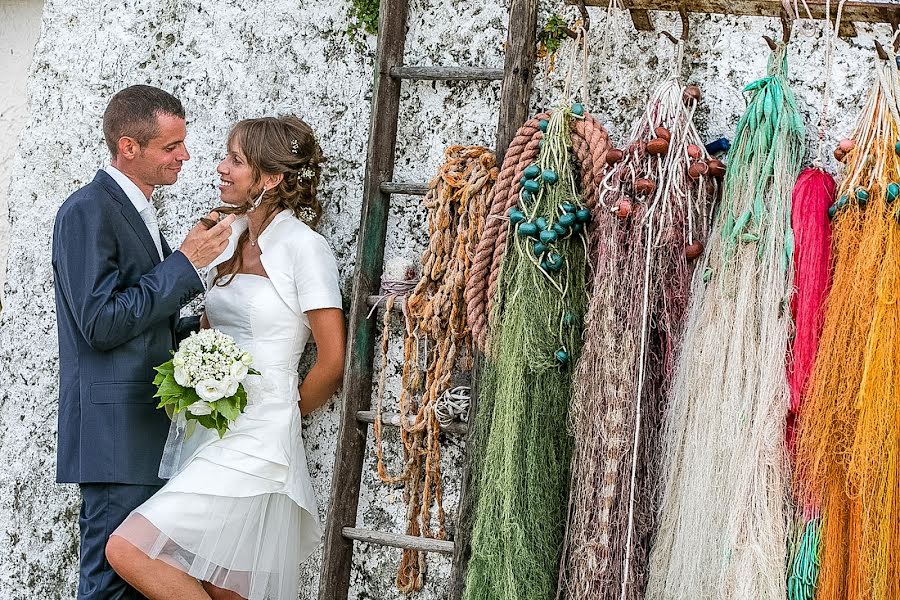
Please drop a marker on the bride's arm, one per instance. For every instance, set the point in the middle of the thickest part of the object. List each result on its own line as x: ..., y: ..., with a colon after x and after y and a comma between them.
x: 204, y: 322
x: 323, y: 380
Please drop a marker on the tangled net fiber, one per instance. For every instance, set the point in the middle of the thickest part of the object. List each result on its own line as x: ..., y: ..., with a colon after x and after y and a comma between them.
x: 813, y: 195
x: 848, y: 442
x: 649, y: 224
x: 522, y: 446
x: 723, y: 510
x: 434, y: 310
x: 589, y: 144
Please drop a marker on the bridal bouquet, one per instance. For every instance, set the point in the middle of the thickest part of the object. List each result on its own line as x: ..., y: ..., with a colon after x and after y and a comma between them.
x: 204, y: 380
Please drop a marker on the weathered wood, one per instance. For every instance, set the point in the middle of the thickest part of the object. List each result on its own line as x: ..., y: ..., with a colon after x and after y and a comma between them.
x: 642, y: 20
x: 334, y: 581
x: 515, y: 96
x: 465, y: 516
x: 447, y: 73
x: 397, y: 540
x: 854, y: 11
x: 411, y: 189
x: 393, y: 419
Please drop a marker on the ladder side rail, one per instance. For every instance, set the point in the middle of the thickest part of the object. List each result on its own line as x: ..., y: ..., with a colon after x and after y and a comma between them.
x: 337, y: 557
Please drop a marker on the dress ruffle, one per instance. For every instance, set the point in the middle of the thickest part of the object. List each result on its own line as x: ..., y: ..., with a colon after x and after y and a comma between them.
x: 251, y: 545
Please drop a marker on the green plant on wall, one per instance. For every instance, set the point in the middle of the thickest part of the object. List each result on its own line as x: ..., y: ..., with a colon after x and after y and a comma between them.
x: 551, y: 36
x: 364, y: 16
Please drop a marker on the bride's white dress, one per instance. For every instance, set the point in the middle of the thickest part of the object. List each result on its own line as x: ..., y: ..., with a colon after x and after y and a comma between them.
x: 240, y: 512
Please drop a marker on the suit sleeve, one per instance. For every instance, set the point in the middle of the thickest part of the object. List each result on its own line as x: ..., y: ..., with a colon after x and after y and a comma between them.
x: 86, y: 265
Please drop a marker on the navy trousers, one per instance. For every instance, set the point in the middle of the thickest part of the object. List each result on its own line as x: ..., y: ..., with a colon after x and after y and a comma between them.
x: 103, y: 508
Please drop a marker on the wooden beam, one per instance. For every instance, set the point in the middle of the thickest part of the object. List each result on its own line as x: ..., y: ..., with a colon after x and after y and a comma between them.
x: 393, y: 419
x: 397, y: 540
x: 411, y: 189
x: 515, y: 95
x: 642, y: 20
x: 465, y: 512
x: 854, y: 11
x: 448, y: 73
x: 334, y: 581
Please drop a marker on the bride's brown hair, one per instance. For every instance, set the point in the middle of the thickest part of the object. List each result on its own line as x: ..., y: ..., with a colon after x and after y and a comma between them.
x: 282, y: 145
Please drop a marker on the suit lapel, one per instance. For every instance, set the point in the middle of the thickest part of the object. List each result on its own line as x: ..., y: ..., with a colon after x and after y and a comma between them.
x: 130, y: 213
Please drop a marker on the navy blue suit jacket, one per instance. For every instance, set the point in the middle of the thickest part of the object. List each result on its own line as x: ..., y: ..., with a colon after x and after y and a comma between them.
x: 117, y: 311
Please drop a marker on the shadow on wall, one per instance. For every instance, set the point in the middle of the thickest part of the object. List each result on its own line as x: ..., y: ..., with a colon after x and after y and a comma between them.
x: 20, y: 24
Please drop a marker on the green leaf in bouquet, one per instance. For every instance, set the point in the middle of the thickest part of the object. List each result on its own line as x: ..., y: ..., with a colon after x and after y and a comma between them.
x: 167, y: 368
x: 208, y: 421
x: 167, y: 387
x: 241, y: 396
x: 187, y: 397
x: 221, y: 423
x: 228, y: 407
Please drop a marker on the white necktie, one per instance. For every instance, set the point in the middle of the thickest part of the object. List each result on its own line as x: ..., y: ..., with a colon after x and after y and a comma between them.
x: 149, y: 217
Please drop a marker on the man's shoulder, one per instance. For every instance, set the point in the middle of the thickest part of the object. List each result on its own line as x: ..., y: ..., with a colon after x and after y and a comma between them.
x: 93, y: 197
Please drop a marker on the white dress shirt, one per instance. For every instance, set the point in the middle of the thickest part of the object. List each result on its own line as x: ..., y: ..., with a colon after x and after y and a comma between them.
x: 139, y: 200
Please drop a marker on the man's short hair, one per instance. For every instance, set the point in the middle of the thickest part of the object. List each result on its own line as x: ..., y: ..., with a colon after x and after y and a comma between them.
x: 133, y: 112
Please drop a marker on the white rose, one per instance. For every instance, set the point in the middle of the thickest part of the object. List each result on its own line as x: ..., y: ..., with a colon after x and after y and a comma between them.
x: 209, y: 390
x: 246, y: 359
x: 229, y: 387
x: 178, y: 360
x: 238, y: 371
x: 181, y: 377
x: 199, y: 408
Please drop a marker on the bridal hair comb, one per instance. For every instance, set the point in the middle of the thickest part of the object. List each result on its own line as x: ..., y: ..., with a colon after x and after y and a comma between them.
x: 295, y: 146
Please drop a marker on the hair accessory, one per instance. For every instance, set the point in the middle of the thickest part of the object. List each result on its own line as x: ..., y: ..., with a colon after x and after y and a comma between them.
x: 295, y: 147
x: 307, y: 214
x: 306, y: 173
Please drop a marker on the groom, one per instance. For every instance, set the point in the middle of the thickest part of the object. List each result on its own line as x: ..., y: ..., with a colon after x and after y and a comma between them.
x: 119, y: 290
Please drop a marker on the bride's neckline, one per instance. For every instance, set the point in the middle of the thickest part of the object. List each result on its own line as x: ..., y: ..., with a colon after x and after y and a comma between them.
x: 254, y: 275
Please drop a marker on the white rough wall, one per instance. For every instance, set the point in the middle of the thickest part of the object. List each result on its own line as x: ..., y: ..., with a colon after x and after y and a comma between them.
x: 228, y: 60
x: 20, y: 23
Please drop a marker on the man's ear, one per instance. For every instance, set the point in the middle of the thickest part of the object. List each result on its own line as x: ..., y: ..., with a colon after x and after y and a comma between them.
x: 128, y: 147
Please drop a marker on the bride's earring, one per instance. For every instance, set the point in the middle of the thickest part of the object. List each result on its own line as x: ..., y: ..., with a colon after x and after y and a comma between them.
x: 258, y: 200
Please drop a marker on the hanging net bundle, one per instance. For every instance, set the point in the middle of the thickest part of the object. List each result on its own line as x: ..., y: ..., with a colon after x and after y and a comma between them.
x: 723, y: 512
x: 848, y: 441
x: 649, y: 226
x: 522, y: 445
x: 437, y: 341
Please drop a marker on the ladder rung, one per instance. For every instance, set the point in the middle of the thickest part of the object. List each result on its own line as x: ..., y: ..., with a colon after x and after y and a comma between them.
x: 407, y: 542
x: 373, y: 300
x: 411, y: 189
x: 393, y: 419
x: 448, y: 73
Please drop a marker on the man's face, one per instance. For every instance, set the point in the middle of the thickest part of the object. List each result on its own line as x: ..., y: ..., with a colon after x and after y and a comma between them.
x: 159, y: 161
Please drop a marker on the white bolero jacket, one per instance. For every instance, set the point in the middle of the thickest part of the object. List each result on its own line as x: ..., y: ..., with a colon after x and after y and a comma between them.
x: 299, y: 262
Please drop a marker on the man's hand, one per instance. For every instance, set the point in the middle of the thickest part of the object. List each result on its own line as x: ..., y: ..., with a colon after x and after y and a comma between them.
x: 203, y: 244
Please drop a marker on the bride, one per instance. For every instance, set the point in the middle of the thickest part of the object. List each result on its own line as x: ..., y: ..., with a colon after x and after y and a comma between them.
x: 239, y: 515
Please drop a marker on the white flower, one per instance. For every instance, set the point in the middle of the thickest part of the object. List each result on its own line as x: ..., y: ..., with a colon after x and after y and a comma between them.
x: 178, y: 360
x: 209, y: 390
x: 246, y: 359
x: 238, y: 371
x: 229, y: 387
x: 199, y: 408
x: 181, y: 376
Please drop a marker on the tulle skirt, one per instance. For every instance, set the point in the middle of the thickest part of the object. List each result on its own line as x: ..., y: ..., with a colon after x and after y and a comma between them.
x: 240, y: 511
x: 251, y: 545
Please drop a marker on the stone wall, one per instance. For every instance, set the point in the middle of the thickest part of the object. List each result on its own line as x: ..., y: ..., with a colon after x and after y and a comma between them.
x: 20, y: 23
x: 228, y: 60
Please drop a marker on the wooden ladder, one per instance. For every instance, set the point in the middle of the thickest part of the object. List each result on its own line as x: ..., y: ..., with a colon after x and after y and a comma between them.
x: 516, y: 77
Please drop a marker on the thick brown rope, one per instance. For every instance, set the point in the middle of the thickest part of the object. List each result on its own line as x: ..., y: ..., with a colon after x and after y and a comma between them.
x: 590, y: 143
x: 435, y: 311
